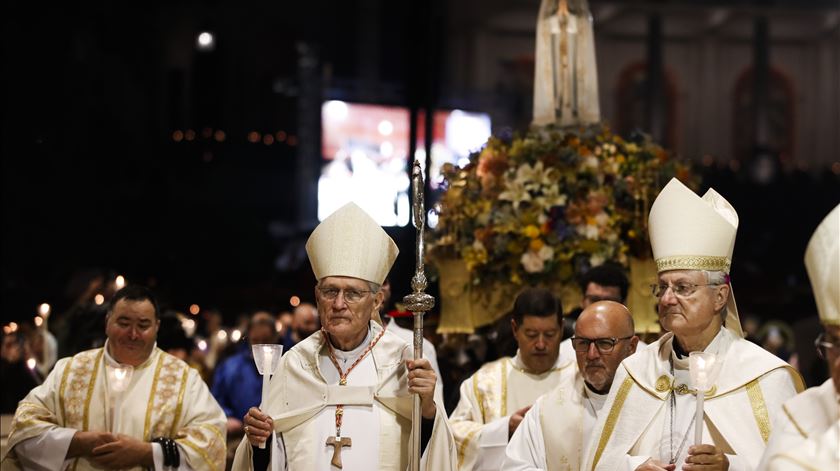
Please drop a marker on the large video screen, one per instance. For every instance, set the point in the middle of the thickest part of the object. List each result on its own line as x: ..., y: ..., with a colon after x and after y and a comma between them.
x: 365, y: 151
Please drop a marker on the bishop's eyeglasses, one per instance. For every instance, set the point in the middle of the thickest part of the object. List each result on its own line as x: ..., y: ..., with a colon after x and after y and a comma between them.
x: 825, y: 345
x: 681, y: 289
x: 604, y: 345
x: 351, y: 296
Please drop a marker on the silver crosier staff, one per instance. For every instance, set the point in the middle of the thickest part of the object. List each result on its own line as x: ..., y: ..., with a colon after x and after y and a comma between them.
x: 418, y: 302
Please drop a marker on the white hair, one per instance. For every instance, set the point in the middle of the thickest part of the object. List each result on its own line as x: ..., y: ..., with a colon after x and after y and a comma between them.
x: 718, y: 277
x: 374, y: 287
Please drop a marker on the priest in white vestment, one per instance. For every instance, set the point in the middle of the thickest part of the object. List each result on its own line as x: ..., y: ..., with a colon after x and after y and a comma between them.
x: 805, y: 436
x: 342, y: 398
x: 496, y: 397
x: 556, y: 430
x: 647, y: 422
x: 127, y: 405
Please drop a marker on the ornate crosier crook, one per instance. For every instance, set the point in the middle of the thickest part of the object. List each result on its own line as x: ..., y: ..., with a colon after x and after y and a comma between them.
x: 418, y: 302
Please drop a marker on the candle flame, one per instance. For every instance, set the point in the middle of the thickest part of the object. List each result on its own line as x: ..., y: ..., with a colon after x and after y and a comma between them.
x: 120, y: 373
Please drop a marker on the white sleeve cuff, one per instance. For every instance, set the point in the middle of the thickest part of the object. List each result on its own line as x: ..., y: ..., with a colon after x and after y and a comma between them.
x: 46, y: 451
x: 494, y: 433
x: 736, y: 463
x: 634, y: 462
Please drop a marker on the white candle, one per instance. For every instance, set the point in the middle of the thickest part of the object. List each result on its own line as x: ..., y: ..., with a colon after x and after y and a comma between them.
x: 120, y: 378
x: 266, y: 357
x: 703, y: 368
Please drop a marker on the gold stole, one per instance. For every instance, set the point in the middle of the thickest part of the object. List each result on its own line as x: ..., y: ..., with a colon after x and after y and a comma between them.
x: 489, y: 386
x: 80, y: 405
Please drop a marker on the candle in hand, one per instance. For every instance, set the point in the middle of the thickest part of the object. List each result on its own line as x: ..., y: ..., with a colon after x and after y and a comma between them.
x: 703, y: 368
x: 267, y: 358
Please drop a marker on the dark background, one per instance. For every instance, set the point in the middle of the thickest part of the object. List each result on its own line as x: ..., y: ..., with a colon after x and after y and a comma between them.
x: 93, y: 180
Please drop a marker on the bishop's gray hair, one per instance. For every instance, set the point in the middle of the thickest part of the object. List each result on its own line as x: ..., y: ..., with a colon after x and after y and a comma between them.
x: 718, y: 277
x: 374, y: 287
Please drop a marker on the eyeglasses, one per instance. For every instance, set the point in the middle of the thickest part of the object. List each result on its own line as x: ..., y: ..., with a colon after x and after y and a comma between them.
x: 604, y: 345
x: 682, y: 289
x: 350, y: 295
x: 823, y: 346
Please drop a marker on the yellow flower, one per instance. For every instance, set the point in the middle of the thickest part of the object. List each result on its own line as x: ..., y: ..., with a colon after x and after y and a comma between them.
x: 531, y: 231
x: 536, y: 244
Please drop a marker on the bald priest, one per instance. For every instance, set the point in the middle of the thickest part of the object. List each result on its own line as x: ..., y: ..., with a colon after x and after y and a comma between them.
x: 342, y: 398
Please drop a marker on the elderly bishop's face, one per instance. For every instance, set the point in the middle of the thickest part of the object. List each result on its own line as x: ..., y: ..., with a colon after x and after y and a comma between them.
x: 345, y: 305
x: 690, y: 305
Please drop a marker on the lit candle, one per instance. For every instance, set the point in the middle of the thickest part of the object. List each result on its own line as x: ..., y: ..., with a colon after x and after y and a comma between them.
x: 120, y: 377
x: 266, y: 357
x: 703, y: 369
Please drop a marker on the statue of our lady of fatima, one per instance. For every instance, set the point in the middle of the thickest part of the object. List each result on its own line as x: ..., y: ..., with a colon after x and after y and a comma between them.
x: 565, y: 73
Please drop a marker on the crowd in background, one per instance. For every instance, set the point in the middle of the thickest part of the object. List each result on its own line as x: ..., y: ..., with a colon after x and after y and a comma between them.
x: 203, y: 339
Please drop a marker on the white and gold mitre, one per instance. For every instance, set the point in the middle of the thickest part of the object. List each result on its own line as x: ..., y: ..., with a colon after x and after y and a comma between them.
x: 688, y: 232
x: 350, y: 243
x: 822, y: 260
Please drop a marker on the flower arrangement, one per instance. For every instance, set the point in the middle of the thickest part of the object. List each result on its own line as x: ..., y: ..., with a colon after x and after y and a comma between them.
x: 542, y: 208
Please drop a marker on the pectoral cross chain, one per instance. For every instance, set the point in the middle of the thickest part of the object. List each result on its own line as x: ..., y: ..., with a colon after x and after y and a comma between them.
x: 337, y: 443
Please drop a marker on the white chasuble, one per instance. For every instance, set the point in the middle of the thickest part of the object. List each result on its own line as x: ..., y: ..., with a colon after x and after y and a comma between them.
x: 377, y: 410
x: 555, y: 432
x: 649, y: 410
x: 818, y: 453
x: 165, y: 398
x: 806, y: 417
x: 488, y: 398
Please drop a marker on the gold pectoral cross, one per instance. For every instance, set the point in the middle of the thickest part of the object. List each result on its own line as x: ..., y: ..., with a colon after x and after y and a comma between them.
x: 338, y: 443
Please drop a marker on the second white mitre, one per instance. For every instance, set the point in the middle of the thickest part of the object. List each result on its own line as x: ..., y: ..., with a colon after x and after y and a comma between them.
x: 688, y: 232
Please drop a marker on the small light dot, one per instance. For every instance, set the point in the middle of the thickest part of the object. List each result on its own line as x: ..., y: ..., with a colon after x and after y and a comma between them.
x: 99, y: 299
x: 44, y: 309
x: 219, y: 135
x: 207, y: 133
x: 281, y: 136
x: 31, y: 363
x: 194, y: 309
x: 177, y: 136
x: 734, y: 165
x: 39, y: 321
x: 294, y: 301
x: 236, y: 335
x: 268, y: 139
x: 292, y: 141
x: 189, y: 135
x: 253, y: 137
